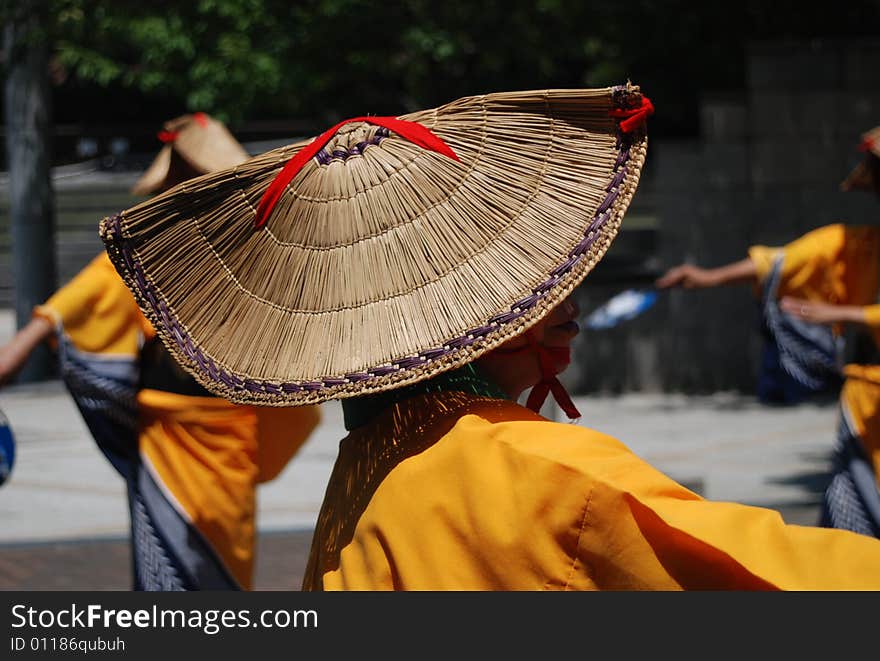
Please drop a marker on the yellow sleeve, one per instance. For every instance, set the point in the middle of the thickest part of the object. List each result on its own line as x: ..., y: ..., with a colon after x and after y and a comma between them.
x: 97, y: 311
x: 70, y: 304
x: 872, y: 316
x: 640, y: 530
x: 835, y: 264
x: 706, y: 545
x: 763, y: 257
x: 860, y: 399
x: 808, y: 260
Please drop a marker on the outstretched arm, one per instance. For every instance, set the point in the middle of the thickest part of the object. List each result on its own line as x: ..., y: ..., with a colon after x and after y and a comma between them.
x: 690, y: 276
x: 827, y: 313
x: 14, y: 353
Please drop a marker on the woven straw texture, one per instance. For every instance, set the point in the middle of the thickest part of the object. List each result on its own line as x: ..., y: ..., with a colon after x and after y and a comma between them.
x: 197, y: 144
x: 383, y: 263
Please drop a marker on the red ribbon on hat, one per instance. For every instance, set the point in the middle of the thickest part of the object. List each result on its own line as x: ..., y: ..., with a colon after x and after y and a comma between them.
x: 171, y: 136
x: 633, y: 117
x: 548, y: 358
x: 412, y: 131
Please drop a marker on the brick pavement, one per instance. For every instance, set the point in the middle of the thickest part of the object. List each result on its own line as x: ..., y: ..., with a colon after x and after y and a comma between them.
x: 103, y: 564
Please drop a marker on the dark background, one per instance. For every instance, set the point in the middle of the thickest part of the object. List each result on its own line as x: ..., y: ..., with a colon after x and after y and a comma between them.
x: 265, y: 65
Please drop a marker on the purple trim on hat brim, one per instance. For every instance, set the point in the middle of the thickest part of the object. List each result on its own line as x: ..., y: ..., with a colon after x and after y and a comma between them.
x: 519, y: 309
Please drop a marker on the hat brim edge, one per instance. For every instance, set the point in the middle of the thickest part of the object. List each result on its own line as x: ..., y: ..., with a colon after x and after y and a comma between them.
x: 223, y: 381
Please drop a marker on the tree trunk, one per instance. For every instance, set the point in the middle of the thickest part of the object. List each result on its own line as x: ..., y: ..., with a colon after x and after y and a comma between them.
x: 31, y: 200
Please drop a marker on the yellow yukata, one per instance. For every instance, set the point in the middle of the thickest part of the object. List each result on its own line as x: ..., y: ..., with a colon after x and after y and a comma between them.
x: 861, y: 397
x: 453, y: 491
x: 97, y: 312
x: 192, y: 463
x: 838, y: 264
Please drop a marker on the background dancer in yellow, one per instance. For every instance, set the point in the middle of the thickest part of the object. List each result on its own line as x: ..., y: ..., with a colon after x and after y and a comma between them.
x: 192, y: 461
x: 830, y: 275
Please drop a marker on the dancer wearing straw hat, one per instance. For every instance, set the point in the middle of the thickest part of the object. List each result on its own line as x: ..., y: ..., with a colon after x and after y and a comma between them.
x: 194, y: 145
x: 418, y: 268
x: 192, y: 461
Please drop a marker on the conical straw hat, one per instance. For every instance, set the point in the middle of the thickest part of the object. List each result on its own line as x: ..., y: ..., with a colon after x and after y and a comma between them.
x: 194, y: 144
x: 862, y: 177
x: 391, y: 254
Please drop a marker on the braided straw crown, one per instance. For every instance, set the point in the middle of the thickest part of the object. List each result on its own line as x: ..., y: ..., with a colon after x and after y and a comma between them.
x: 383, y: 263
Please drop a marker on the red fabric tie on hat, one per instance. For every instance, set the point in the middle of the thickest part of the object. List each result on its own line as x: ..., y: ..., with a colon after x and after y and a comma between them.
x: 412, y: 131
x: 548, y: 357
x: 633, y: 117
x: 170, y: 136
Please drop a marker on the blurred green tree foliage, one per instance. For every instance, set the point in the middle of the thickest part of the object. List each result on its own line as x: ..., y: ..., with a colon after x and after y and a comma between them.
x: 326, y: 59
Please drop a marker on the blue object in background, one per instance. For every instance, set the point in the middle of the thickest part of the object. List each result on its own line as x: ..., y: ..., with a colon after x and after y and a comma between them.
x: 7, y: 449
x: 622, y: 307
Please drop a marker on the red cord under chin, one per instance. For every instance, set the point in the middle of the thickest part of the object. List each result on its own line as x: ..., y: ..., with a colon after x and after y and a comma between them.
x: 548, y: 358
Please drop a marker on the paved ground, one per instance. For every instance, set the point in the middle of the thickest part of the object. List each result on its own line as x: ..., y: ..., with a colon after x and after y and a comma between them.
x: 103, y: 564
x: 64, y: 520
